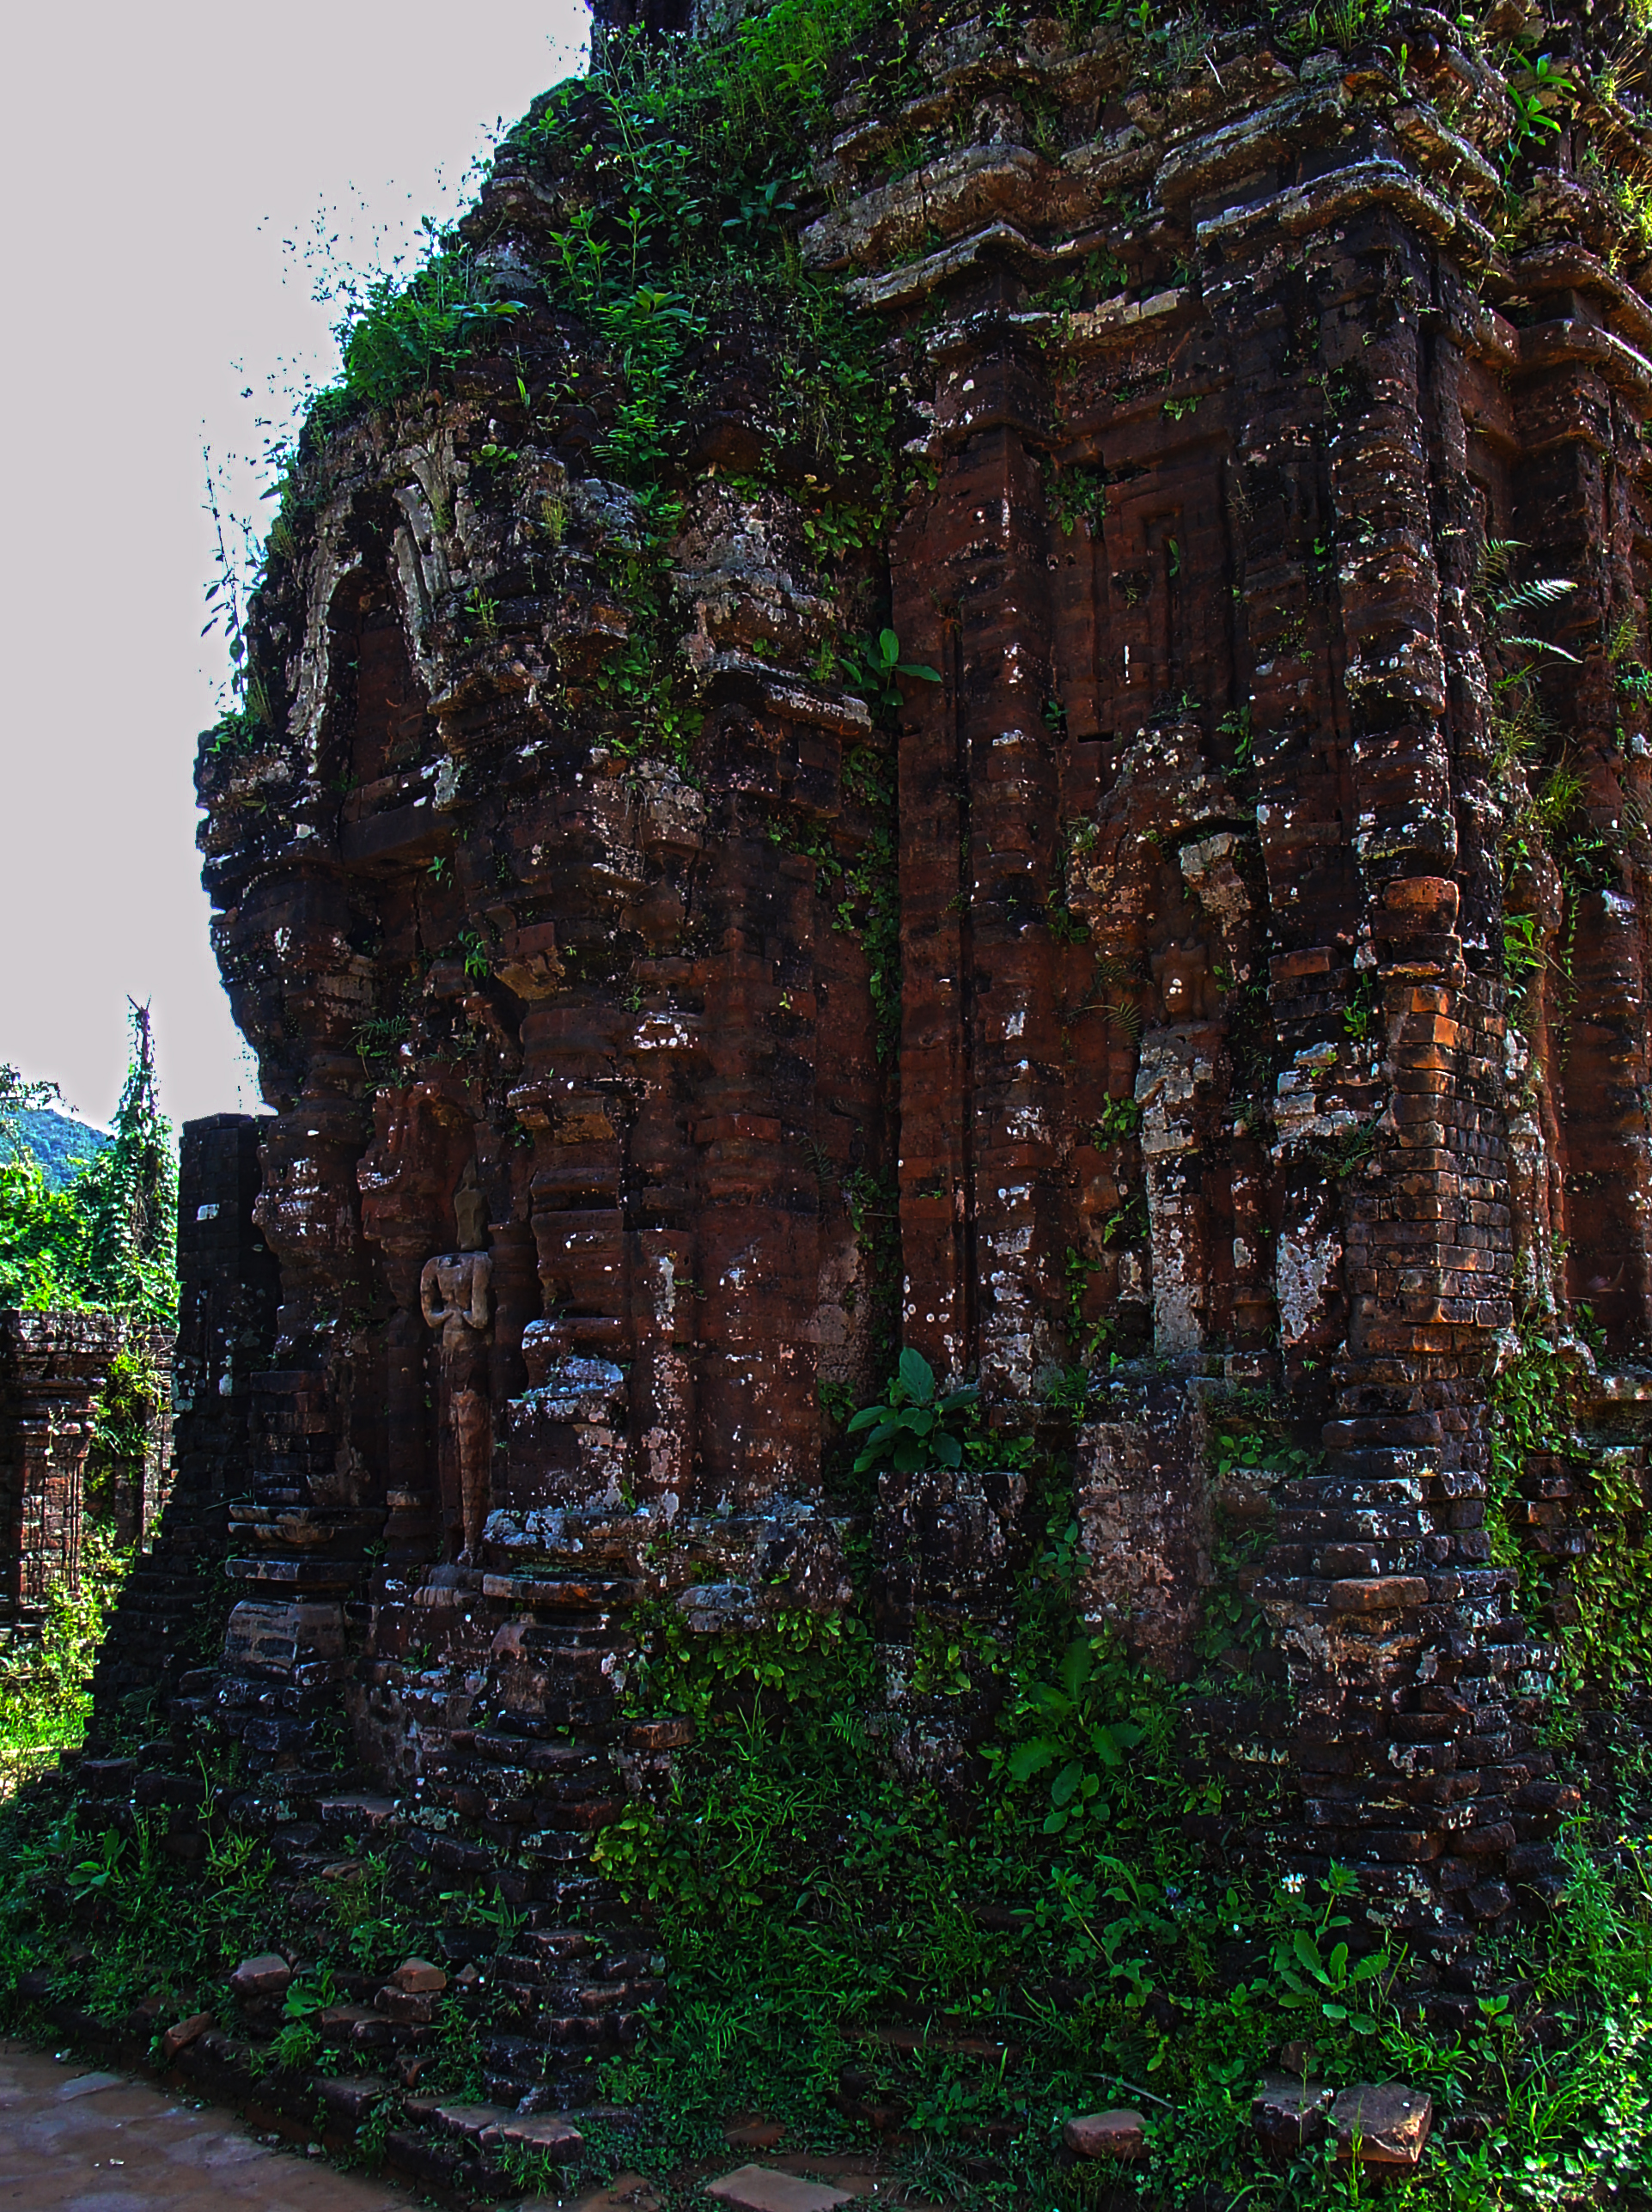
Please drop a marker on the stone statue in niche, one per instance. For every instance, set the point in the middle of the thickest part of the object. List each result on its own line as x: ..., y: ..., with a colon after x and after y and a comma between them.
x: 1182, y: 974
x: 455, y: 1296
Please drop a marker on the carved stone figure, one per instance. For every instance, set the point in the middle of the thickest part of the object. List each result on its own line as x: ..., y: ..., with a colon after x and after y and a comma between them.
x: 455, y: 1296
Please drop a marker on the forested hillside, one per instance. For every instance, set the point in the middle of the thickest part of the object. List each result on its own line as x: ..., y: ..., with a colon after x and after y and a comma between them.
x: 61, y: 1145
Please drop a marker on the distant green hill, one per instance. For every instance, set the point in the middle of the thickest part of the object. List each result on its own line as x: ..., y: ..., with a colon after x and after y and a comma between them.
x: 61, y: 1146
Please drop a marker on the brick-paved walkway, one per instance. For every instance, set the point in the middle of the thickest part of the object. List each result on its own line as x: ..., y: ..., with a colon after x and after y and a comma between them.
x: 73, y: 2139
x: 76, y: 2141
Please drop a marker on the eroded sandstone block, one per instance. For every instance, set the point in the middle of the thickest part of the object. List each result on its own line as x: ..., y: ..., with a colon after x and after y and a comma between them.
x: 1383, y: 2125
x: 1115, y: 2134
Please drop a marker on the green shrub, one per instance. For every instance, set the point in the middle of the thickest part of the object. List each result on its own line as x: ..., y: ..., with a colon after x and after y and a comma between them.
x: 398, y: 337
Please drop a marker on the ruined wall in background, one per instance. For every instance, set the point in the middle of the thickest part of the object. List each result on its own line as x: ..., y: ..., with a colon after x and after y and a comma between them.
x: 53, y: 1367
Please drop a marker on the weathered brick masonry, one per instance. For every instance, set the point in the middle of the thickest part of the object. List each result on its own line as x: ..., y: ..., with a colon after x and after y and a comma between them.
x: 1202, y: 888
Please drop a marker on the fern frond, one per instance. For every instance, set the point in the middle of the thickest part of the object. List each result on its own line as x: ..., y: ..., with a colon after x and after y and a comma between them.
x: 1495, y: 557
x: 1542, y: 591
x: 1112, y: 968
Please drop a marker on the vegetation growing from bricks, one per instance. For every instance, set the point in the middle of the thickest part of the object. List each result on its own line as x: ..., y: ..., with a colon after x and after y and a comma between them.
x: 1083, y: 1909
x: 863, y: 888
x: 1094, y: 1922
x: 682, y: 165
x: 678, y: 166
x: 1600, y: 1601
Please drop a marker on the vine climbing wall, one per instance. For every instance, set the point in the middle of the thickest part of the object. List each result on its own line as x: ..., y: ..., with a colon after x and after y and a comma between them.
x: 1067, y: 792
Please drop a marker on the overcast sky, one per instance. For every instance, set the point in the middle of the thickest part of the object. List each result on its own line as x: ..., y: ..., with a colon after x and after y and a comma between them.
x: 154, y: 160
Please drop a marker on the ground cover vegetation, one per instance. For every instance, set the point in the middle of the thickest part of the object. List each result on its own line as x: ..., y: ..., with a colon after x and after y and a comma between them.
x: 1081, y: 1905
x: 1097, y: 1914
x: 102, y: 1238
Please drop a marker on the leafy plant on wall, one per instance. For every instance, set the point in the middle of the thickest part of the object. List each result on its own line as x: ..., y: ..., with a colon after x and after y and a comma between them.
x: 909, y: 1429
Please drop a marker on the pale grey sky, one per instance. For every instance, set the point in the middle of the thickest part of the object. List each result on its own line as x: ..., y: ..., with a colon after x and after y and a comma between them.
x: 153, y: 161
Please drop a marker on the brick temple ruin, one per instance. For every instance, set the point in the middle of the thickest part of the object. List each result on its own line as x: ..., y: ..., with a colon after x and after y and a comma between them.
x: 606, y: 1168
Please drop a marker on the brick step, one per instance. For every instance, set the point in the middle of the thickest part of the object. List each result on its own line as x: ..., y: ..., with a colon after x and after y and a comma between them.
x: 592, y: 1720
x: 558, y: 1591
x: 543, y: 1823
x: 537, y: 1754
x: 167, y: 1601
x: 296, y: 1576
x: 571, y: 1893
x: 544, y: 1942
x: 1315, y: 1493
